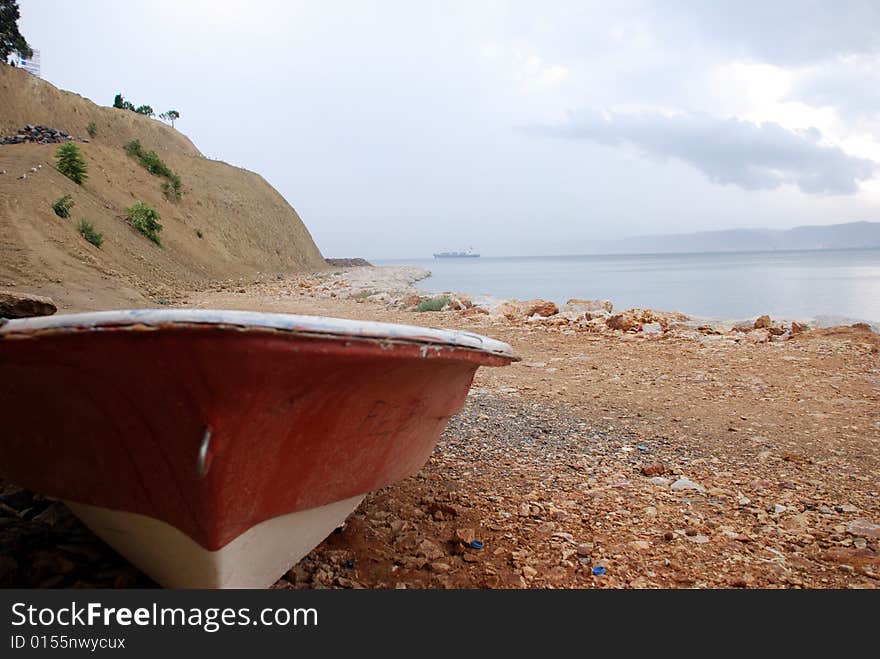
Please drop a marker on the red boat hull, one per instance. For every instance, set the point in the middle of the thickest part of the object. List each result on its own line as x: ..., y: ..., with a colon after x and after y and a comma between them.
x: 116, y: 418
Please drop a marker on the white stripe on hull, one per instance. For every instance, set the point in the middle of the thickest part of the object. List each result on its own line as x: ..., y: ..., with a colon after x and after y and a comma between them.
x: 255, y: 559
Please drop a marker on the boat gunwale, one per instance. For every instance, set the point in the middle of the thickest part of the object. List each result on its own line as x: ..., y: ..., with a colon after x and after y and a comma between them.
x: 292, y: 324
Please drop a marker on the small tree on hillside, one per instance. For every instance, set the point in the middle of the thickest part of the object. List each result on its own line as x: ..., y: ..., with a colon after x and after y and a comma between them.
x: 170, y: 116
x: 119, y: 102
x: 145, y: 109
x: 71, y: 163
x: 11, y: 40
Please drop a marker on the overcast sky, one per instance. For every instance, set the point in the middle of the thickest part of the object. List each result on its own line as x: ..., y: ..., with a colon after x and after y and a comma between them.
x: 400, y: 128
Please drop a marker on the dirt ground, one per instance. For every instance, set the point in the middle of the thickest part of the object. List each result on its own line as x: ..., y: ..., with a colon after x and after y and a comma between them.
x: 668, y: 462
x: 598, y: 461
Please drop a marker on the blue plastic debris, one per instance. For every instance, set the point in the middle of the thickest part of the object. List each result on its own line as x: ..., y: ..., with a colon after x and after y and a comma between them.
x: 477, y: 544
x: 642, y: 448
x: 598, y: 570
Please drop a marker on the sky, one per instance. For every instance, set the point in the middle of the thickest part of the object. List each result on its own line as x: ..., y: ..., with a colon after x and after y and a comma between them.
x: 397, y: 129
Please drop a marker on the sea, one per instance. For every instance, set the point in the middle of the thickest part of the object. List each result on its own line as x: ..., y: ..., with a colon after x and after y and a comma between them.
x: 827, y: 286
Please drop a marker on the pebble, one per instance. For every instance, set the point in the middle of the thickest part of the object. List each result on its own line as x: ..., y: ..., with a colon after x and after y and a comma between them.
x: 685, y: 483
x: 653, y: 469
x: 864, y: 528
x: 660, y: 481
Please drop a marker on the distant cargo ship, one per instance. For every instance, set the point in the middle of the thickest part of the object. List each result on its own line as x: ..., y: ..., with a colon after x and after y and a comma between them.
x: 469, y: 254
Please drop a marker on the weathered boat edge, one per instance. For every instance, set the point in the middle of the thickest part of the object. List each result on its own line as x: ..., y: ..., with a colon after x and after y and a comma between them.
x: 297, y: 324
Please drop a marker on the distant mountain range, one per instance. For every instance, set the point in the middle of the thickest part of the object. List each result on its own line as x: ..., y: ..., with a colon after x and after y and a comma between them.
x: 850, y: 235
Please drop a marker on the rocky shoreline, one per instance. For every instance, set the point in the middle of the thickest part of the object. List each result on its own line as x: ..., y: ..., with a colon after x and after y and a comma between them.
x: 395, y: 288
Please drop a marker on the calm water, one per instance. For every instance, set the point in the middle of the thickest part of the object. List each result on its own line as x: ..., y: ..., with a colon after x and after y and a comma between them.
x: 787, y: 284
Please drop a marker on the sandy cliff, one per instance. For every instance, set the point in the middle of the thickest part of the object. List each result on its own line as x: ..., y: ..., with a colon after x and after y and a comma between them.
x: 247, y: 228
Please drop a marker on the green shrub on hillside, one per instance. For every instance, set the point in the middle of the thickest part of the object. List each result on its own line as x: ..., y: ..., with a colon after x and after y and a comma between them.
x: 71, y: 163
x: 63, y: 205
x: 154, y: 164
x: 92, y: 129
x: 146, y: 220
x: 87, y: 231
x: 434, y: 304
x: 171, y: 189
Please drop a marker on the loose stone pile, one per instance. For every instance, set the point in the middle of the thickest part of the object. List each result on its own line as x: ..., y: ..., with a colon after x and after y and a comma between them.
x: 37, y: 134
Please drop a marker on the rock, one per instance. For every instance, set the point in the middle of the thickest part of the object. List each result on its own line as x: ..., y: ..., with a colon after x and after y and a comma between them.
x: 590, y: 305
x: 852, y: 556
x: 653, y: 469
x: 410, y: 301
x: 757, y: 336
x: 652, y: 329
x: 635, y: 319
x: 585, y: 549
x: 864, y: 528
x: 799, y: 328
x: 474, y: 311
x: 440, y: 568
x: 348, y: 263
x: 762, y: 322
x: 541, y: 308
x: 624, y: 322
x: 797, y: 524
x: 685, y: 483
x: 14, y: 304
x: 510, y: 309
x: 699, y: 539
x: 430, y: 550
x: 660, y: 481
x: 465, y: 536
x: 778, y: 509
x: 640, y: 545
x: 529, y: 572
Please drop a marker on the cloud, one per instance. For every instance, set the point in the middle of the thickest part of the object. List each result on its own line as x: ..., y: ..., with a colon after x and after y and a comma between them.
x: 851, y: 85
x: 728, y: 151
x: 787, y: 32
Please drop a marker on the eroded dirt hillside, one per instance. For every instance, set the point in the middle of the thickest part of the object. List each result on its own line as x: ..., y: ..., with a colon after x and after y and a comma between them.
x: 229, y: 223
